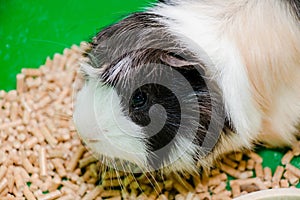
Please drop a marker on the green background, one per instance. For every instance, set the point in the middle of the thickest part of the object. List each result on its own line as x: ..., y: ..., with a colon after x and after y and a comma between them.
x: 32, y: 30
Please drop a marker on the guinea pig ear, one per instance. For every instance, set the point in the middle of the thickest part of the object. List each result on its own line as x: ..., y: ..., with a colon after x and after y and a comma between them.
x: 175, y: 61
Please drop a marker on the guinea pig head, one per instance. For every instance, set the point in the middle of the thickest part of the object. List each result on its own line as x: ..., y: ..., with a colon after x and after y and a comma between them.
x: 147, y: 99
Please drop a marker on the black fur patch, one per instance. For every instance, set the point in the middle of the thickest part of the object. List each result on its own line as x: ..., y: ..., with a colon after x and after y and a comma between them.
x: 164, y: 97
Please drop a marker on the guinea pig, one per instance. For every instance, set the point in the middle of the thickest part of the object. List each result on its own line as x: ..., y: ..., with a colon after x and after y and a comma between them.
x: 185, y: 81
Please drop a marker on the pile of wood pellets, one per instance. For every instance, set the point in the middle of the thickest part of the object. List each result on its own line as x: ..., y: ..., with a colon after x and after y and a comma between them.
x: 42, y: 157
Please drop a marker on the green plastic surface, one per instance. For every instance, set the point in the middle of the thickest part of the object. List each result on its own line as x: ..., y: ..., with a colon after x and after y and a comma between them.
x: 32, y: 30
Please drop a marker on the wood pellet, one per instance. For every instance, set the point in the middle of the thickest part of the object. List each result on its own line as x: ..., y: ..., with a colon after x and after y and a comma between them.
x: 42, y: 157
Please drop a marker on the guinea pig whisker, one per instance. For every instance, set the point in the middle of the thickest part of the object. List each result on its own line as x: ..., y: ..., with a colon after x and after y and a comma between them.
x: 123, y: 186
x: 155, y: 185
x: 118, y: 174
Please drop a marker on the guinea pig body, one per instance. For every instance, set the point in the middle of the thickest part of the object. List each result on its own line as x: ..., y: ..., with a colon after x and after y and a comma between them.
x: 245, y: 81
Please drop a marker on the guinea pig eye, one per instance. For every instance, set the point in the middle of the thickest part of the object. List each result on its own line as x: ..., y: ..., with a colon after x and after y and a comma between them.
x: 139, y: 99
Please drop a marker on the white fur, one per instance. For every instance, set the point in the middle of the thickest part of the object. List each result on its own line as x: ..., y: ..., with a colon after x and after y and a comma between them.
x: 98, y: 116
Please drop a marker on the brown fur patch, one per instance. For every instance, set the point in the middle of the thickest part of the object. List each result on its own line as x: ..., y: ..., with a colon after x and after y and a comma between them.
x: 267, y: 35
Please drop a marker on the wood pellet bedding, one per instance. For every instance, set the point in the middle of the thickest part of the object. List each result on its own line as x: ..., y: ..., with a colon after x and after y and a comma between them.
x: 42, y: 157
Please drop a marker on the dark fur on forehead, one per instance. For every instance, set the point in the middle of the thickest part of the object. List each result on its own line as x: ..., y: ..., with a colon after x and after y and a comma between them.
x: 142, y: 37
x: 134, y: 21
x: 134, y: 32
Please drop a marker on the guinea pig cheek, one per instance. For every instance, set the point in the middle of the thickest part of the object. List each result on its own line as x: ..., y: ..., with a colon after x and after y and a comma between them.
x: 104, y: 128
